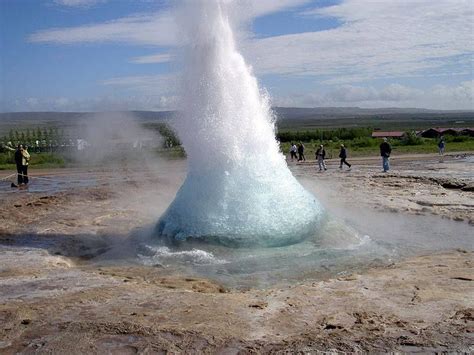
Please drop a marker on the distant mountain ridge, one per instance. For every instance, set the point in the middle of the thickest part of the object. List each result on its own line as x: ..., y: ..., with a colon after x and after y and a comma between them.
x: 288, y: 118
x: 346, y: 112
x: 281, y: 113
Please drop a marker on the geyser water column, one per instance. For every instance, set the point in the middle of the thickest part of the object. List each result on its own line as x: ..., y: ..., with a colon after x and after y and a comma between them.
x: 238, y: 190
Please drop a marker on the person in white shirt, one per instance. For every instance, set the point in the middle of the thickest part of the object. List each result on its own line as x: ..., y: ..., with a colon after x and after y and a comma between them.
x: 320, y: 156
x: 293, y: 151
x: 24, y: 163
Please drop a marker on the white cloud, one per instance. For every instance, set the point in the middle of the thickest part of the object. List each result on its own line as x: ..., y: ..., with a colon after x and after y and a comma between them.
x: 154, y: 58
x: 143, y: 29
x: 464, y: 92
x: 78, y: 3
x: 441, y: 97
x: 252, y: 9
x: 138, y: 80
x: 375, y: 39
x: 164, y: 84
x: 146, y: 95
x: 96, y: 104
x: 391, y: 93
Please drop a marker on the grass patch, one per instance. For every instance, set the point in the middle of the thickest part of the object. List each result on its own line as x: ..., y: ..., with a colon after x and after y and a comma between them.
x: 360, y: 147
x: 40, y: 160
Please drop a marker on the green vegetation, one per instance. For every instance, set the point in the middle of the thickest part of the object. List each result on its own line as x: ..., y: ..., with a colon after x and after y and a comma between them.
x: 366, y: 146
x: 40, y: 160
x: 170, y: 137
x: 51, y: 147
x: 43, y: 139
x: 55, y: 146
x: 384, y: 122
x: 323, y: 134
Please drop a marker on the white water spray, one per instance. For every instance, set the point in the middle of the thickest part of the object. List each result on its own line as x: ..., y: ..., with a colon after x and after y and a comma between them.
x: 239, y: 190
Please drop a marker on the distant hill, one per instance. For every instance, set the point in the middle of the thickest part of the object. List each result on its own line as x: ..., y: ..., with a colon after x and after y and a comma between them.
x: 67, y: 117
x: 295, y: 118
x: 281, y: 112
x: 288, y: 118
x: 345, y: 112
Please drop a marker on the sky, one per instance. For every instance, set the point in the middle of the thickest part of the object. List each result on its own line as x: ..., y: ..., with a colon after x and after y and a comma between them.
x: 103, y: 55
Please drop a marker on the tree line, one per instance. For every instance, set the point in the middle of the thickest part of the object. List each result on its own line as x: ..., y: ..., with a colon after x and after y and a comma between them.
x: 323, y: 135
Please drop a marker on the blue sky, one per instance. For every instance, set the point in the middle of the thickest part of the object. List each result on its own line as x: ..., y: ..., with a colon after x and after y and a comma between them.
x: 94, y: 55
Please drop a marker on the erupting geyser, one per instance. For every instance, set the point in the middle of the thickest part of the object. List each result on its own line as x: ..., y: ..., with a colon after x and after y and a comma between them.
x: 239, y: 190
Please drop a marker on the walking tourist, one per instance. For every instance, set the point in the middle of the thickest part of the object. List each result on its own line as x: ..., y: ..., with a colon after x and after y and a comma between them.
x: 441, y: 145
x: 301, y: 156
x: 385, y: 150
x: 293, y: 151
x: 343, y: 156
x: 320, y: 156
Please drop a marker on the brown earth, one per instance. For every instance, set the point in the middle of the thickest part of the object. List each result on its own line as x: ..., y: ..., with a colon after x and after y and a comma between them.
x: 52, y: 299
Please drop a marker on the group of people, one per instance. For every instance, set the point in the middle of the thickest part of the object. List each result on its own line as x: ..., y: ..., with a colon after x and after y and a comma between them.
x: 294, y: 149
x: 297, y: 152
x: 22, y: 158
x: 320, y: 155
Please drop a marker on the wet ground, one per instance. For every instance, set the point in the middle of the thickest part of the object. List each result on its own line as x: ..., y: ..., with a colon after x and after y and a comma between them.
x: 73, y: 280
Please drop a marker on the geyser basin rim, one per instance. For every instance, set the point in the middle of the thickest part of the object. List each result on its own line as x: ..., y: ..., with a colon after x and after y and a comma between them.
x: 239, y: 241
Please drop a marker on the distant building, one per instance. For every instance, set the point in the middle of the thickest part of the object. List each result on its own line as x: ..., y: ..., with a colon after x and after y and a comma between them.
x: 450, y: 131
x: 467, y: 132
x: 437, y: 132
x: 431, y: 133
x: 388, y: 134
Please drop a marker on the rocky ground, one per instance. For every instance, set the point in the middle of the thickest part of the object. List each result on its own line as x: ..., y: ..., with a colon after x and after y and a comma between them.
x: 54, y: 299
x: 415, y: 185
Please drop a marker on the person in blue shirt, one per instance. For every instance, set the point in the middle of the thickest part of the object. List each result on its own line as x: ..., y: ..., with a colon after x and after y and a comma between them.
x: 441, y: 145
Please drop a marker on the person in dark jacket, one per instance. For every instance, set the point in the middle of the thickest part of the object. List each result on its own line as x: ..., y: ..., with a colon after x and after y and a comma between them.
x: 320, y: 156
x: 441, y: 145
x: 301, y: 156
x: 19, y: 163
x: 385, y: 150
x: 343, y: 156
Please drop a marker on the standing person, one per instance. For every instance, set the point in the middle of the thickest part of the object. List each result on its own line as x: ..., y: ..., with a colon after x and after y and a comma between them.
x: 24, y: 164
x: 301, y: 152
x: 385, y: 150
x: 293, y: 151
x: 19, y: 164
x: 343, y: 156
x: 441, y: 145
x: 320, y: 156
